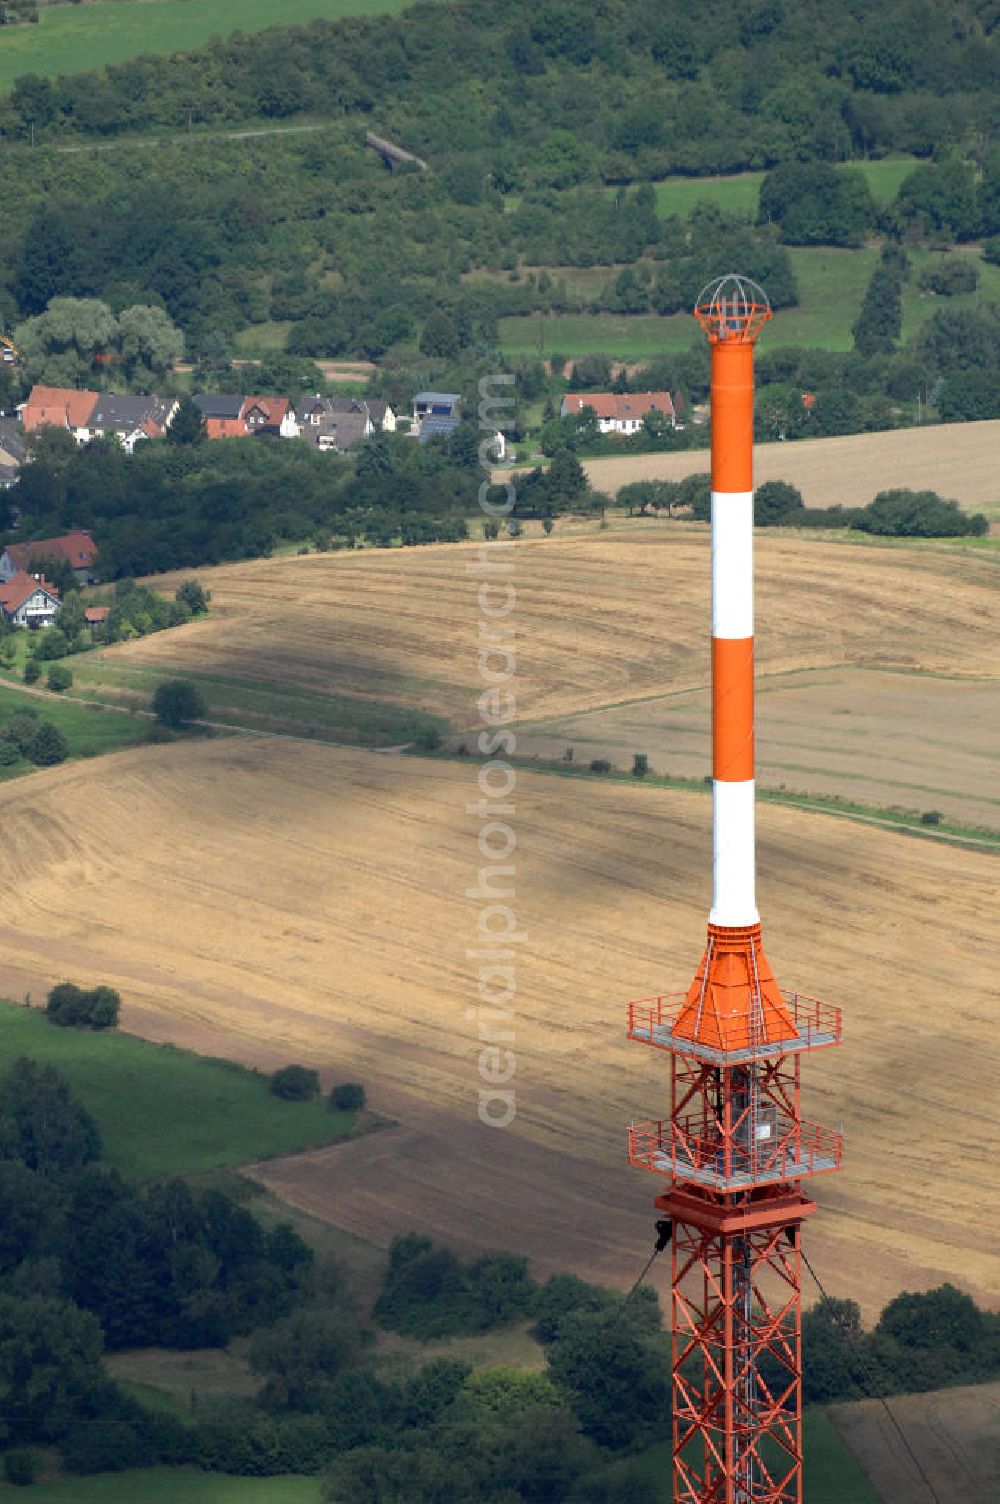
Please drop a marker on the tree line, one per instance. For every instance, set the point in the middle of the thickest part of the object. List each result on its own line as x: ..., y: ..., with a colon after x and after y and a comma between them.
x: 896, y: 513
x: 173, y: 505
x: 650, y: 89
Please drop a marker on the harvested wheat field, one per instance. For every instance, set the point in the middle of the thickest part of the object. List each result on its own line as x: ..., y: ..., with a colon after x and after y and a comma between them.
x: 600, y: 619
x: 955, y: 1434
x: 958, y: 460
x: 916, y: 742
x: 274, y: 901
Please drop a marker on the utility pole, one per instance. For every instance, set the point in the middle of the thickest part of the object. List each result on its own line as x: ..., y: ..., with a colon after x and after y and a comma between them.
x: 735, y: 1148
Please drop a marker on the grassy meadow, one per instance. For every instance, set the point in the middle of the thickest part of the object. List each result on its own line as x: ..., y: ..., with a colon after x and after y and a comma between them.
x: 738, y: 193
x: 89, y: 730
x: 77, y: 38
x: 832, y: 282
x: 167, y: 1485
x: 163, y: 1111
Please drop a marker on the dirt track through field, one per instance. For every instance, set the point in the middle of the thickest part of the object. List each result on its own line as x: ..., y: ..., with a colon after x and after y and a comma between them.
x: 275, y: 901
x: 958, y: 460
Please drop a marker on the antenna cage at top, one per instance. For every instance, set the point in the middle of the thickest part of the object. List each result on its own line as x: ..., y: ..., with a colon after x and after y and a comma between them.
x: 732, y: 308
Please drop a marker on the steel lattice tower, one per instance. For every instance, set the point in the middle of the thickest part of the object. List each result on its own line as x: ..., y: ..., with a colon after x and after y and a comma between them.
x: 735, y: 1148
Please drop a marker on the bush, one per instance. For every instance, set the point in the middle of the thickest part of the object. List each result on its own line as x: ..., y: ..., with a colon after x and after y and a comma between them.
x: 777, y: 502
x: 48, y: 746
x: 177, y: 702
x: 32, y: 671
x: 949, y: 278
x: 59, y: 677
x: 74, y: 1007
x: 901, y: 513
x: 295, y: 1083
x: 600, y: 765
x: 428, y: 739
x: 10, y: 753
x: 20, y: 1466
x: 931, y: 817
x: 21, y: 727
x: 348, y: 1097
x: 191, y: 595
x: 640, y: 765
x: 51, y: 643
x: 101, y: 1446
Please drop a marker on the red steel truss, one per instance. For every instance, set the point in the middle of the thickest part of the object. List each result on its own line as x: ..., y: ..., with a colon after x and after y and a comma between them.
x: 734, y: 1150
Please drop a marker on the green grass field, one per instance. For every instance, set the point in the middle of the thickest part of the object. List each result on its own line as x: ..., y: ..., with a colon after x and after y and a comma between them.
x: 77, y: 38
x: 162, y: 1111
x: 739, y: 192
x: 89, y: 730
x: 832, y: 1475
x: 831, y: 282
x: 173, y: 1485
x: 261, y: 704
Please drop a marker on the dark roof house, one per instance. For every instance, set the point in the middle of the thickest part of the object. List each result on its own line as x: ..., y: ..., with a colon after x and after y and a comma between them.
x: 124, y: 414
x: 437, y: 427
x: 215, y: 405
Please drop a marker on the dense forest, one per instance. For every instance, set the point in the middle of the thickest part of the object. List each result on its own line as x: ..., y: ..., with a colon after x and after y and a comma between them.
x: 642, y: 88
x: 529, y: 117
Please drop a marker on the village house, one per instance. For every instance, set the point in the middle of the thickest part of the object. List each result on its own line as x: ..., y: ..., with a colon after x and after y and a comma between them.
x: 435, y: 413
x: 337, y: 423
x: 382, y: 414
x: 77, y: 548
x: 315, y: 410
x: 274, y: 415
x: 12, y: 451
x: 131, y: 418
x: 28, y: 600
x: 59, y: 407
x: 223, y: 415
x: 619, y: 412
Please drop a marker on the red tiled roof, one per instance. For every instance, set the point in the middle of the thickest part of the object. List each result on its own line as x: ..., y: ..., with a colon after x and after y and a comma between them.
x: 62, y: 406
x: 77, y: 548
x: 226, y: 428
x: 620, y: 405
x: 18, y: 589
x: 273, y: 408
x: 94, y: 615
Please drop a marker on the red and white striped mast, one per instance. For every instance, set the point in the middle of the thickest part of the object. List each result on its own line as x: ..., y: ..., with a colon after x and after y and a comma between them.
x: 734, y: 1147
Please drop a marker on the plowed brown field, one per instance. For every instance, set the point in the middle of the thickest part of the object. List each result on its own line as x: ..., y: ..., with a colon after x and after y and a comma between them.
x: 274, y: 901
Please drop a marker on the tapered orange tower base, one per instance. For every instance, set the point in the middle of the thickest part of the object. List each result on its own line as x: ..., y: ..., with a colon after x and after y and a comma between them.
x: 734, y: 1002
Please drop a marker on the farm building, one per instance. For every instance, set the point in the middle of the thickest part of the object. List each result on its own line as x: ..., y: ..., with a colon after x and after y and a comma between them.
x: 619, y: 412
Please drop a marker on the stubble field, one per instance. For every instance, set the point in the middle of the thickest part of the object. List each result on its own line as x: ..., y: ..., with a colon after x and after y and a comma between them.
x: 279, y: 902
x: 955, y: 1435
x: 273, y: 900
x: 958, y: 460
x: 877, y: 671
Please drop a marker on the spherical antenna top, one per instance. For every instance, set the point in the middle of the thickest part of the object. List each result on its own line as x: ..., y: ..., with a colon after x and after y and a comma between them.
x: 733, y: 309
